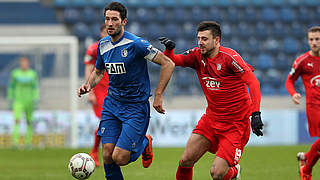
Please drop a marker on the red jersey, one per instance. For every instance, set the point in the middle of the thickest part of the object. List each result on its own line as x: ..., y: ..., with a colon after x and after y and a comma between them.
x: 308, y: 67
x: 220, y: 78
x: 90, y: 58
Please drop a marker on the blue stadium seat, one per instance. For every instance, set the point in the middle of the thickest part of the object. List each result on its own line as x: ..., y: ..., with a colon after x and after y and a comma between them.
x: 294, y: 3
x: 189, y: 30
x: 136, y: 28
x: 279, y: 30
x: 95, y: 29
x: 215, y: 14
x: 312, y: 3
x: 89, y: 15
x: 162, y: 14
x: 61, y: 3
x: 265, y: 61
x: 290, y: 45
x: 151, y: 3
x: 253, y: 46
x: 297, y: 30
x: 268, y: 90
x: 153, y: 31
x: 205, y: 3
x: 181, y: 45
x: 81, y: 30
x: 272, y: 45
x: 143, y: 15
x: 186, y: 3
x: 275, y: 76
x: 317, y: 14
x: 71, y: 16
x: 261, y: 30
x: 197, y: 14
x: 223, y: 3
x: 257, y: 3
x: 232, y: 15
x: 240, y: 3
x: 182, y: 81
x: 244, y: 31
x: 79, y: 3
x: 134, y: 3
x: 99, y: 3
x: 236, y: 44
x: 283, y: 62
x: 180, y: 15
x: 275, y: 3
x: 303, y: 14
x: 287, y: 15
x: 172, y: 30
x: 282, y: 90
x: 269, y: 15
x: 250, y: 14
x: 226, y: 28
x: 169, y: 3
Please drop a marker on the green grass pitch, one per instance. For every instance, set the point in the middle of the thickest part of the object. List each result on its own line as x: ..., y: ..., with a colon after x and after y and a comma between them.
x: 258, y: 163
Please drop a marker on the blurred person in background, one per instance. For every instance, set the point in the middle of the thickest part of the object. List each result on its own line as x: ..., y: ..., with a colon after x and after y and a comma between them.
x: 126, y: 109
x: 308, y: 67
x: 225, y: 127
x: 98, y: 93
x: 23, y: 96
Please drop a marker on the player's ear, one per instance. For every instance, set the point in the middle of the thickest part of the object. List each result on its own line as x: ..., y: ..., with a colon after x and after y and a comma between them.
x: 124, y: 22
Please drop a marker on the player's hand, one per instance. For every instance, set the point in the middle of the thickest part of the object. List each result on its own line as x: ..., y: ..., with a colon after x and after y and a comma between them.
x: 256, y: 123
x: 83, y: 89
x: 169, y: 44
x: 296, y: 98
x: 92, y: 98
x: 157, y: 104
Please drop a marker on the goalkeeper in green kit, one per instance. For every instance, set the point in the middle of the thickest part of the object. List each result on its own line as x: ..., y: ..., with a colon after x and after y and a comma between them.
x: 23, y: 94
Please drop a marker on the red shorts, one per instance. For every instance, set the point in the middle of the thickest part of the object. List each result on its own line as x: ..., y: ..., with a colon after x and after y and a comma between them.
x: 100, y: 92
x: 313, y: 116
x: 228, y: 142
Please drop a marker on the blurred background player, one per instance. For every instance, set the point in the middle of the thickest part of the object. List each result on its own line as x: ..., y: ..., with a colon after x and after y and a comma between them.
x: 23, y: 95
x: 308, y: 67
x: 225, y: 128
x: 126, y: 109
x: 99, y: 92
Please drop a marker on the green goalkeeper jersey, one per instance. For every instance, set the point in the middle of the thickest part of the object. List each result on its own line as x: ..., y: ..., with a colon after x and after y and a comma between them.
x: 23, y: 86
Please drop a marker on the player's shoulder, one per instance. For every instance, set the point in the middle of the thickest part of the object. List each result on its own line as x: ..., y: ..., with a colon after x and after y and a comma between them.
x: 93, y: 45
x: 15, y: 71
x: 300, y: 59
x: 229, y: 53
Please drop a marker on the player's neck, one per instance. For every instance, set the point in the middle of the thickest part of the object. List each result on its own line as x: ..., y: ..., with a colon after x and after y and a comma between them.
x: 312, y: 53
x: 117, y: 37
x: 214, y: 52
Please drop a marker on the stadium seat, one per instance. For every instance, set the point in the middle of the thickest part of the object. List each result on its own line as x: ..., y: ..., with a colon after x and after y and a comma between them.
x: 61, y: 3
x: 223, y: 3
x: 294, y: 3
x: 143, y: 15
x: 261, y: 30
x: 275, y: 3
x: 317, y: 14
x: 253, y: 46
x: 81, y: 30
x: 189, y: 30
x: 312, y: 3
x: 182, y: 80
x: 172, y: 30
x: 269, y: 15
x: 181, y: 45
x: 287, y: 15
x: 257, y: 3
x: 236, y: 44
x: 240, y: 3
x: 71, y: 16
x: 99, y: 3
x: 162, y: 14
x: 271, y: 45
x: 180, y: 15
x: 205, y: 3
x: 197, y: 14
x: 303, y: 15
x: 186, y: 3
x: 89, y: 15
x: 275, y: 76
x: 226, y: 28
x: 135, y: 28
x: 95, y: 29
x: 279, y: 30
x: 290, y: 45
x: 169, y: 3
x: 232, y: 15
x: 151, y: 3
x: 244, y: 30
x: 283, y: 90
x: 79, y: 3
x: 268, y: 90
x: 215, y: 14
x: 282, y: 61
x: 250, y: 15
x: 154, y: 31
x: 134, y: 3
x: 297, y: 30
x: 265, y: 61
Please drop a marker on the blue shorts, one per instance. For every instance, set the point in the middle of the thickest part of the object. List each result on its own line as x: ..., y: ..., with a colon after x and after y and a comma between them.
x: 124, y: 124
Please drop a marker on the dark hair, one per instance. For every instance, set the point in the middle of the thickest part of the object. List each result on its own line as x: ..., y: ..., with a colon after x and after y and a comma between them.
x: 213, y: 26
x: 102, y: 27
x: 314, y: 29
x: 116, y: 6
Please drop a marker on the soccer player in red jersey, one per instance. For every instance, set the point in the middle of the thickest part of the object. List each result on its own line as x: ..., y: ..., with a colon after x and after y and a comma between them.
x: 99, y: 92
x: 308, y: 67
x: 225, y: 127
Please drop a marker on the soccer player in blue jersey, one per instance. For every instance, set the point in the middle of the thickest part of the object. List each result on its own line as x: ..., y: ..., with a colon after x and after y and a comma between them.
x: 126, y: 111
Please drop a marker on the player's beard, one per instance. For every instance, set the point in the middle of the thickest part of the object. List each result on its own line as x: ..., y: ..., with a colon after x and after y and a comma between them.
x: 116, y: 33
x: 208, y: 52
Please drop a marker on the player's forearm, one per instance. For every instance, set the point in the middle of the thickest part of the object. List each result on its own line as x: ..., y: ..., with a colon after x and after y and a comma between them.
x: 176, y: 58
x: 254, y: 88
x: 88, y: 70
x: 165, y: 74
x: 290, y: 86
x: 95, y: 77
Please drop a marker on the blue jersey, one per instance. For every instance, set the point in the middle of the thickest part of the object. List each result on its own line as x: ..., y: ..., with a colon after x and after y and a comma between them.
x: 125, y: 62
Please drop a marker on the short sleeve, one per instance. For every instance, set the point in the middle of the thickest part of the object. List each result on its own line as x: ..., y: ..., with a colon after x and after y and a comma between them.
x: 99, y: 63
x: 145, y: 49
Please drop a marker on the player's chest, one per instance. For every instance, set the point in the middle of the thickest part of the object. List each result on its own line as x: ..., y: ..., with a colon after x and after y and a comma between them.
x: 213, y: 68
x: 311, y: 67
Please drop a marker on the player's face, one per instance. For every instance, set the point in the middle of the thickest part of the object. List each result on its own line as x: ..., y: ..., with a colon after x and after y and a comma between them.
x: 314, y: 41
x: 24, y: 63
x: 114, y: 23
x: 206, y: 42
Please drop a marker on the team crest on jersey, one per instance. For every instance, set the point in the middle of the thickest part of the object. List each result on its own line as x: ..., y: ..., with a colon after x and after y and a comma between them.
x: 218, y: 67
x: 124, y: 52
x: 115, y: 68
x: 315, y: 81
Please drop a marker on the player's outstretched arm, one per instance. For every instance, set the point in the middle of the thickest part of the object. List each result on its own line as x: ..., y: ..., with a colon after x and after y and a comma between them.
x: 167, y: 67
x: 254, y: 87
x: 92, y: 81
